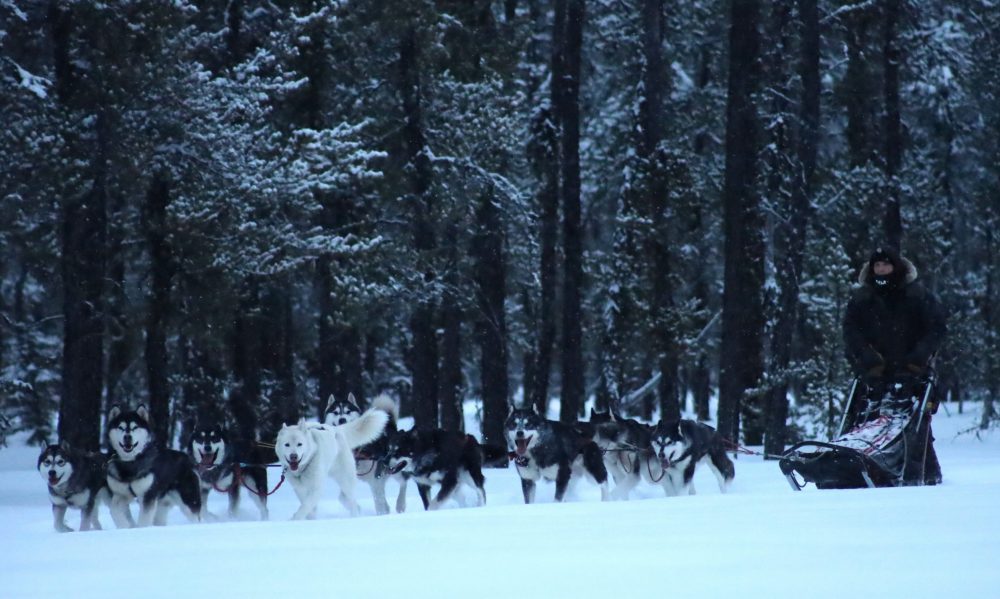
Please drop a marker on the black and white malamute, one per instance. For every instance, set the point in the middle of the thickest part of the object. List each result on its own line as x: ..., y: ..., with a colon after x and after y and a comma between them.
x: 370, y: 458
x: 550, y: 450
x: 225, y: 466
x: 447, y: 458
x: 677, y: 448
x: 141, y: 468
x: 76, y: 479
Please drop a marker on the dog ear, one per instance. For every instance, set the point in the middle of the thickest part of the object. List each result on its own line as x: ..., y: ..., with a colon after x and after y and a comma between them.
x: 354, y: 402
x: 330, y: 401
x: 302, y: 422
x: 64, y: 446
x: 114, y: 412
x: 143, y: 412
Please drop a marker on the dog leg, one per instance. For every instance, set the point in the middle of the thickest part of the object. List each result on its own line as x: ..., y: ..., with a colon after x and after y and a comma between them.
x: 594, y: 466
x: 344, y: 471
x: 259, y: 499
x: 528, y: 489
x: 95, y: 522
x: 448, y: 484
x: 723, y: 469
x: 121, y: 513
x: 308, y: 492
x: 562, y: 481
x: 689, y: 478
x: 401, y: 498
x: 346, y: 479
x: 378, y: 495
x: 669, y: 484
x: 59, y: 518
x: 87, y: 516
x: 160, y: 513
x: 205, y: 514
x: 147, y: 511
x: 234, y: 498
x: 424, y: 491
x: 477, y: 481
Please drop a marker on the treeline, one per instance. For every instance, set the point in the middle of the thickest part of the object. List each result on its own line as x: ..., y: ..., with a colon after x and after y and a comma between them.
x: 245, y: 206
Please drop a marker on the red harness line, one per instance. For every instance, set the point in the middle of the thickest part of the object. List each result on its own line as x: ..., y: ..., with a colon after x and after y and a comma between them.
x: 239, y: 479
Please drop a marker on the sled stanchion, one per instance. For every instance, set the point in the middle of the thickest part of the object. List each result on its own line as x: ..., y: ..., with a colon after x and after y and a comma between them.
x: 847, y: 408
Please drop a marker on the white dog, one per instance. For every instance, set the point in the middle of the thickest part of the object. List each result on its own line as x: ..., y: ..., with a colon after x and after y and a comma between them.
x: 311, y: 451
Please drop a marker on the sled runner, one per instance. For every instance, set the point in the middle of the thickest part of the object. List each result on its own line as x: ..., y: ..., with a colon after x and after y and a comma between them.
x: 882, y: 440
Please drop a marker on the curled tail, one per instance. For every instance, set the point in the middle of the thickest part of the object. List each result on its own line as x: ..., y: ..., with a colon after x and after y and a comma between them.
x: 365, y: 429
x: 388, y: 405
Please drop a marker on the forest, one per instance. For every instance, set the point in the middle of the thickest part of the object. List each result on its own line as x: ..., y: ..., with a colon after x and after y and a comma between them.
x: 242, y: 207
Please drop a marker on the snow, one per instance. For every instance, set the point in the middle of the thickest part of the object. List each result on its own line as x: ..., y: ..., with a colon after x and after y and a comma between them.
x: 761, y: 539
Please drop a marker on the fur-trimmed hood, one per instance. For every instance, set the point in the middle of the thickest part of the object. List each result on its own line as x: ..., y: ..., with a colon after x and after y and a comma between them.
x: 865, y: 276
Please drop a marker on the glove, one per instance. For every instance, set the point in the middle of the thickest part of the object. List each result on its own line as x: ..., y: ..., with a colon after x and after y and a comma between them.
x: 915, y: 369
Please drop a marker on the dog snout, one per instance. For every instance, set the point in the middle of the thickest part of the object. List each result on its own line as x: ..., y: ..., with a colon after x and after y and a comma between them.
x: 294, y: 457
x: 520, y: 434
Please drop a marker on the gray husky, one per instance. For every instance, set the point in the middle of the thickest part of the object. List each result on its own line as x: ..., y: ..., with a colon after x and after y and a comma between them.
x: 677, y: 448
x: 76, y: 479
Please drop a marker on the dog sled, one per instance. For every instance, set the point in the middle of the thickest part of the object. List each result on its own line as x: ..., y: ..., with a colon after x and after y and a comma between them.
x: 882, y: 440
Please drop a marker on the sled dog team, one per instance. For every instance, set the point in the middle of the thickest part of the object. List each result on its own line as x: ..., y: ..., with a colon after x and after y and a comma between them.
x: 352, y: 445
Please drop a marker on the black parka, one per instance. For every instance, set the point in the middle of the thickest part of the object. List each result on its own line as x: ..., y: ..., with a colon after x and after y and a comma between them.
x: 895, y: 326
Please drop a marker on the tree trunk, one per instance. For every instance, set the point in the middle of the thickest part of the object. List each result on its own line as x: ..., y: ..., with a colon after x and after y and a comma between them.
x: 893, y: 224
x: 491, y: 326
x: 424, y: 347
x: 327, y: 350
x: 246, y: 361
x: 161, y: 273
x: 860, y: 89
x: 790, y: 234
x: 546, y: 136
x: 656, y: 192
x: 741, y: 361
x: 121, y: 342
x: 451, y: 343
x: 569, y: 111
x: 83, y: 240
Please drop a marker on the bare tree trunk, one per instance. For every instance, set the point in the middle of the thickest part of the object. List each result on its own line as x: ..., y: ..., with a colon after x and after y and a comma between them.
x: 572, y: 339
x: 161, y: 273
x: 424, y: 346
x: 892, y: 57
x: 246, y: 361
x: 121, y: 338
x: 546, y: 137
x: 451, y: 342
x: 491, y: 326
x: 83, y: 237
x: 741, y: 363
x: 84, y: 254
x: 790, y: 232
x: 860, y: 89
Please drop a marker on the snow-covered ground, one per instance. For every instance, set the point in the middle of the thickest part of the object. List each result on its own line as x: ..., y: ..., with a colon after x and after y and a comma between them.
x: 760, y: 540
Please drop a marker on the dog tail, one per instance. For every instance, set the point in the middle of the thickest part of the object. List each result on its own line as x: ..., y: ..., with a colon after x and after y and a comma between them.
x: 365, y: 429
x: 386, y: 404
